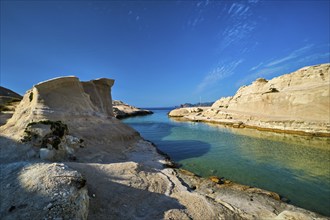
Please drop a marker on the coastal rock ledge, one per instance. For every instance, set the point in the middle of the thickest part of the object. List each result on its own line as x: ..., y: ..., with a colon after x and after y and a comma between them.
x: 123, y: 110
x: 63, y: 155
x: 298, y: 103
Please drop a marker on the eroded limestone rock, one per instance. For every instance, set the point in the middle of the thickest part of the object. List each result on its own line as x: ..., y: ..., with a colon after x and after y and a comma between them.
x: 294, y: 103
x: 52, y: 139
x: 42, y: 191
x: 123, y: 110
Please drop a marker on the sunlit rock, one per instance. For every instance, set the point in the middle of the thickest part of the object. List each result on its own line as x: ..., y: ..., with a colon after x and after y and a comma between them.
x: 294, y: 103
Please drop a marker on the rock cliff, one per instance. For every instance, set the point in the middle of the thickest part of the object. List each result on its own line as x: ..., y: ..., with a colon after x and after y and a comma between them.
x: 298, y: 102
x: 64, y: 156
x: 84, y: 106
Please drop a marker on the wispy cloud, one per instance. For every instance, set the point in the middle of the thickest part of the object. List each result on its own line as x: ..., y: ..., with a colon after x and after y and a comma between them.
x: 291, y: 56
x: 311, y: 58
x: 261, y: 73
x: 221, y: 71
x: 237, y: 8
x: 303, y: 56
x: 198, y: 15
x: 202, y: 2
x: 257, y: 66
x: 196, y: 21
x: 241, y: 24
x: 253, y: 1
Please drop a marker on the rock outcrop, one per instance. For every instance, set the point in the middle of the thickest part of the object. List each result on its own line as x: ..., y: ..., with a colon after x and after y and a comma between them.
x: 123, y: 110
x: 8, y: 95
x: 295, y: 103
x: 84, y: 106
x: 46, y: 173
x: 8, y: 102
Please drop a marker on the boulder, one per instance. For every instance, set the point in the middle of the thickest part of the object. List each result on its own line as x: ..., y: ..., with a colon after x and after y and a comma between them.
x: 42, y: 191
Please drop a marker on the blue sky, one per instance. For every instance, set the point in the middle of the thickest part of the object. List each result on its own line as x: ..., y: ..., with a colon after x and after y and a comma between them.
x: 161, y: 53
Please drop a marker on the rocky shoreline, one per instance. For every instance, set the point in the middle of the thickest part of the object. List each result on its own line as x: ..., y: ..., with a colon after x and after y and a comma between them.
x: 68, y: 157
x: 122, y: 110
x: 296, y: 103
x: 285, y: 126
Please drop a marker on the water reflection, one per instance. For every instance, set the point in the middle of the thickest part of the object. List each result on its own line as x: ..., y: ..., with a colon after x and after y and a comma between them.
x: 317, y: 142
x: 308, y: 155
x: 297, y: 167
x: 177, y: 148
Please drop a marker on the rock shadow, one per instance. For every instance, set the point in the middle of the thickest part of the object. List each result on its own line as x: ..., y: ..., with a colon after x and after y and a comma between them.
x: 176, y: 149
x: 116, y: 196
x: 109, y: 198
x: 29, y: 187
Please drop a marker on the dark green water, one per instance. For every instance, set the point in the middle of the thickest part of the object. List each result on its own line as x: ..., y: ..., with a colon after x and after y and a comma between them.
x: 297, y: 168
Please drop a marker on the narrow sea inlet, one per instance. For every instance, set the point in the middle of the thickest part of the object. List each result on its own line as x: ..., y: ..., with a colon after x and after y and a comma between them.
x: 298, y: 168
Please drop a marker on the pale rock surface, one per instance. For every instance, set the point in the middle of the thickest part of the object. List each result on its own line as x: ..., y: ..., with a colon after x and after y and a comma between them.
x: 42, y: 191
x: 126, y: 177
x: 99, y: 92
x: 298, y: 102
x: 83, y: 106
x: 123, y: 110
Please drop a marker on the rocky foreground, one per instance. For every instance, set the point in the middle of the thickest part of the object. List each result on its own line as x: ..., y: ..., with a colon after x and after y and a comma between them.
x: 297, y: 103
x: 63, y: 155
x: 123, y: 110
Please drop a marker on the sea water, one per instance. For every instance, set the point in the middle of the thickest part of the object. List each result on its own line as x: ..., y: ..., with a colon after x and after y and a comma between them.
x: 298, y: 168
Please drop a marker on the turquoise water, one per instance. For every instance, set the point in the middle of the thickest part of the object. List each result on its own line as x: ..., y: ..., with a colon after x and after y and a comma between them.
x: 297, y: 168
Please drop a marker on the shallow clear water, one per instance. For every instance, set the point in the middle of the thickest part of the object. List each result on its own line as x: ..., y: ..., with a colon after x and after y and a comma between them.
x: 297, y: 168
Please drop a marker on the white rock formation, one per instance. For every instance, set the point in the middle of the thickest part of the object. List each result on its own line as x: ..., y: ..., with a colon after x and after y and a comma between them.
x: 295, y: 103
x: 123, y: 110
x: 84, y: 106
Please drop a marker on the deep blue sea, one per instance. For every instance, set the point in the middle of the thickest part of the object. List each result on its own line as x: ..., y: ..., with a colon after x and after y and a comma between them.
x: 297, y: 168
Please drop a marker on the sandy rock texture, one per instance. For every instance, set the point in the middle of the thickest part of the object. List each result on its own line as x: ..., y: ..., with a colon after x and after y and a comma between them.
x: 114, y: 175
x: 123, y: 110
x: 298, y: 102
x: 42, y: 191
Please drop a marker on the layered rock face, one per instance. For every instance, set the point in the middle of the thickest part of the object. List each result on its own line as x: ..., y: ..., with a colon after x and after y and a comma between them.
x: 82, y: 105
x: 99, y: 92
x: 297, y: 102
